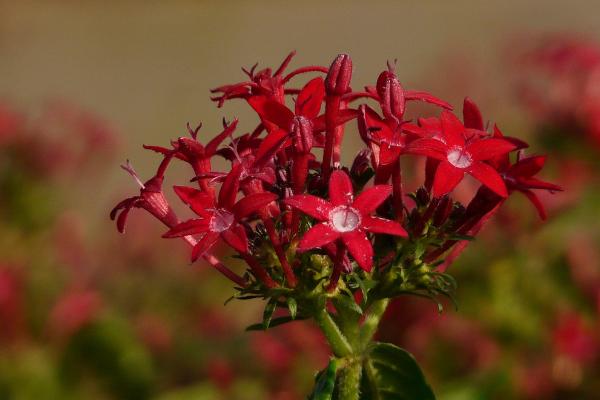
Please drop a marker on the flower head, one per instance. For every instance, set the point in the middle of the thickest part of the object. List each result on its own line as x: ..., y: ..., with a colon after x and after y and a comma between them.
x: 462, y: 150
x: 345, y: 218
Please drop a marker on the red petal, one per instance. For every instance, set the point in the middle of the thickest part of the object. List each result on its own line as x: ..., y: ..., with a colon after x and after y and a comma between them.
x: 536, y: 202
x: 211, y: 147
x: 471, y: 115
x: 486, y: 149
x: 272, y: 111
x: 319, y: 235
x: 189, y: 227
x: 269, y: 146
x: 528, y: 166
x: 158, y: 149
x: 532, y: 183
x: 198, y: 200
x: 127, y: 203
x: 252, y: 203
x: 380, y: 225
x: 453, y: 129
x: 369, y: 199
x: 229, y: 188
x: 340, y: 188
x: 426, y: 97
x: 489, y: 177
x: 431, y: 123
x: 342, y: 117
x: 359, y: 248
x: 123, y: 219
x: 446, y: 178
x: 308, y: 103
x: 204, y: 245
x: 311, y: 205
x: 428, y: 147
x: 236, y: 238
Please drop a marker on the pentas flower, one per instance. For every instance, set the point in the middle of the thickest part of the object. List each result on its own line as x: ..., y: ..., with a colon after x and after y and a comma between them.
x: 151, y: 198
x: 458, y: 156
x: 346, y: 219
x: 190, y: 150
x: 264, y: 82
x: 520, y: 176
x: 220, y: 218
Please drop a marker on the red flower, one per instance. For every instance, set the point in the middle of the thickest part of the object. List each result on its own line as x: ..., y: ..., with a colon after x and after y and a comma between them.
x: 190, y: 150
x: 520, y: 176
x: 264, y: 82
x: 346, y: 218
x: 461, y: 150
x: 220, y: 219
x: 151, y: 198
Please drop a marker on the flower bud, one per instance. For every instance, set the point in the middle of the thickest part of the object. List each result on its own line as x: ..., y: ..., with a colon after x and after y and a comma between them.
x: 391, y: 96
x: 422, y: 197
x: 302, y: 133
x: 338, y: 78
x: 361, y: 163
x: 443, y: 211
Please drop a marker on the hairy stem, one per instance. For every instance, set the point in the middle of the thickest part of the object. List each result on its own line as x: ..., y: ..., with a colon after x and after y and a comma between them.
x: 348, y: 383
x: 336, y: 339
x: 371, y: 322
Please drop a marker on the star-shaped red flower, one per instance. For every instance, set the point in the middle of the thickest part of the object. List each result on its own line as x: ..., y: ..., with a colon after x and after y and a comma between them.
x: 458, y: 156
x: 220, y: 219
x: 345, y: 218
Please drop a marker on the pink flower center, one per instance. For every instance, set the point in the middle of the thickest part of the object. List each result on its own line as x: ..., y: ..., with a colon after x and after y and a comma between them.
x: 221, y: 220
x: 458, y: 157
x: 344, y: 219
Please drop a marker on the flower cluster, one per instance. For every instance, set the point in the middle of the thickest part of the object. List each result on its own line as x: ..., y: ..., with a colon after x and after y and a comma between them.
x: 305, y: 225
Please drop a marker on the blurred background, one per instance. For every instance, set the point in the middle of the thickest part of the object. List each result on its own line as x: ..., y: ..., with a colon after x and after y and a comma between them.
x: 88, y: 313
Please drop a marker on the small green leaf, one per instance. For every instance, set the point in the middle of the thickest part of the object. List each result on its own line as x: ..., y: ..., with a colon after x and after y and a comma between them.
x: 393, y: 374
x: 363, y: 287
x: 274, y: 322
x: 325, y: 383
x: 268, y: 313
x: 347, y: 303
x: 292, y: 306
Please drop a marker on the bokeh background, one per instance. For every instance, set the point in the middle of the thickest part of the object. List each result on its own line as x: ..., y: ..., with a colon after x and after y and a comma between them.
x: 88, y: 313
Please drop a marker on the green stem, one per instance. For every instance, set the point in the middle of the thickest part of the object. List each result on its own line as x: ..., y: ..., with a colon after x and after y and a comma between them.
x: 371, y: 322
x: 338, y: 342
x: 348, y: 383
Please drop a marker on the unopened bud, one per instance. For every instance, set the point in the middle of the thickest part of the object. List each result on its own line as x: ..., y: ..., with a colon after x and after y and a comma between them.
x: 361, y: 163
x: 391, y: 96
x: 443, y: 211
x: 422, y: 197
x: 338, y: 78
x: 302, y: 133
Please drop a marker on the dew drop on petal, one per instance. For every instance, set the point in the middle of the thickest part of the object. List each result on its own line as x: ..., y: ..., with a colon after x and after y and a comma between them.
x: 220, y: 221
x: 459, y: 158
x: 344, y: 219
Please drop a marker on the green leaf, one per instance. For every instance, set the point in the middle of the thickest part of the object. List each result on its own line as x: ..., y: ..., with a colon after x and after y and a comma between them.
x: 361, y: 284
x: 325, y: 383
x: 347, y: 303
x: 274, y: 322
x: 391, y: 373
x: 268, y: 313
x: 292, y: 306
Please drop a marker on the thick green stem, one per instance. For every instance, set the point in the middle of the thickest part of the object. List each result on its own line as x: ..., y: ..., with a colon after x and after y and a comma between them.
x: 350, y: 352
x: 371, y: 322
x: 348, y: 383
x: 338, y: 342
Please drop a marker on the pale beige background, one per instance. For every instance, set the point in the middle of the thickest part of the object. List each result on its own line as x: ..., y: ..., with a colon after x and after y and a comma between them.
x: 147, y: 66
